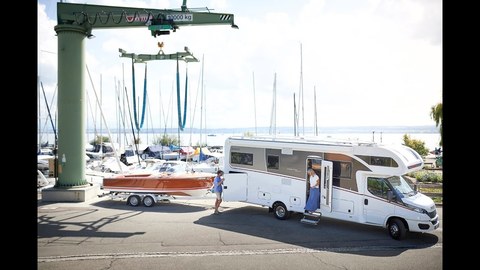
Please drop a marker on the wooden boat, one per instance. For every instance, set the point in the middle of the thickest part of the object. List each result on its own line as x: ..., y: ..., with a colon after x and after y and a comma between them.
x: 179, y: 183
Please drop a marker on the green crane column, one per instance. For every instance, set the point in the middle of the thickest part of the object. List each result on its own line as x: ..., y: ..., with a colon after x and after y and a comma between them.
x: 71, y: 106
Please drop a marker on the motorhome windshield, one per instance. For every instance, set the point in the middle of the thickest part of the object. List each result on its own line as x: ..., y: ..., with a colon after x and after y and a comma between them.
x: 401, y: 186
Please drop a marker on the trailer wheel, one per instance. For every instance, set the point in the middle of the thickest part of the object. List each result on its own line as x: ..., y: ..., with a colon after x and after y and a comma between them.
x: 148, y: 201
x: 397, y: 229
x: 280, y: 211
x: 133, y: 200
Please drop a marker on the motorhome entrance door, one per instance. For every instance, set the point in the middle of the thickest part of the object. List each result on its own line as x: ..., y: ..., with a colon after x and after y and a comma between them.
x: 326, y: 186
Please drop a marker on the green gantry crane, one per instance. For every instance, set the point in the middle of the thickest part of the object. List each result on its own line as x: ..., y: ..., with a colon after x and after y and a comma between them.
x: 75, y: 24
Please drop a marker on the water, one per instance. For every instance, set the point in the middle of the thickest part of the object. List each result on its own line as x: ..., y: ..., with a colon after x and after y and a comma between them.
x: 430, y: 138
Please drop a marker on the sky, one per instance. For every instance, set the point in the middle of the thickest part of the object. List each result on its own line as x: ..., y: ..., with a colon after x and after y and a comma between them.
x: 357, y: 63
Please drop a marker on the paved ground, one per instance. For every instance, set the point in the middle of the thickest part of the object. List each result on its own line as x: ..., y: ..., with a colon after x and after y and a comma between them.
x: 184, y: 234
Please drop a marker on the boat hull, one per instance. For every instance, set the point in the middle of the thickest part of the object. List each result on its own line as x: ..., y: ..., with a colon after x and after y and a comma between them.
x: 180, y: 184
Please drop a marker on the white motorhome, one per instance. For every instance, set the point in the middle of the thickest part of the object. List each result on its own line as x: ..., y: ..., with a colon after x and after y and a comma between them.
x: 359, y: 182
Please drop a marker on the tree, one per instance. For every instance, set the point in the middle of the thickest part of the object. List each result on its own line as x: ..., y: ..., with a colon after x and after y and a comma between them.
x: 248, y: 134
x: 100, y: 139
x: 166, y: 140
x: 416, y: 145
x: 436, y: 114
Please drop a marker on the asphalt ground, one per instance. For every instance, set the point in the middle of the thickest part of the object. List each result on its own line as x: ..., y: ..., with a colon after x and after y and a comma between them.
x: 183, y: 233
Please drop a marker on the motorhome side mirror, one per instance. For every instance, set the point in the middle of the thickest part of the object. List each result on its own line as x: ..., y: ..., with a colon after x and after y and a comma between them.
x: 389, y: 195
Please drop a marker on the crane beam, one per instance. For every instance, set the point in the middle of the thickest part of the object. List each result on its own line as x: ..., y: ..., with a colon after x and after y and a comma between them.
x: 159, y: 21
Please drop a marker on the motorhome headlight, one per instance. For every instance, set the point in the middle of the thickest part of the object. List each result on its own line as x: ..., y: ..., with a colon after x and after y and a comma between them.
x: 416, y: 209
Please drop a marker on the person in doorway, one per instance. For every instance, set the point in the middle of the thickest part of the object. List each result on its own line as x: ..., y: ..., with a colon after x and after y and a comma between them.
x: 218, y: 188
x: 313, y: 202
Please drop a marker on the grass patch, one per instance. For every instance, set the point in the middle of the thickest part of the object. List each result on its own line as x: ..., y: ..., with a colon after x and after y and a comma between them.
x: 430, y: 190
x: 427, y: 176
x: 437, y: 199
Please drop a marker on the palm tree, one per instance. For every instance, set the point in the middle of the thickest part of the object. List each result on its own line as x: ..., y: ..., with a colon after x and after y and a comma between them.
x: 437, y: 115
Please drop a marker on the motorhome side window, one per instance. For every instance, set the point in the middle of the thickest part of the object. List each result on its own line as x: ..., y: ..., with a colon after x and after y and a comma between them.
x: 272, y: 162
x: 241, y: 158
x: 378, y: 187
x: 379, y: 161
x: 342, y: 169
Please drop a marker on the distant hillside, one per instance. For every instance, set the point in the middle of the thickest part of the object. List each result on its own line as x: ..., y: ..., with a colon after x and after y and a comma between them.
x: 308, y: 130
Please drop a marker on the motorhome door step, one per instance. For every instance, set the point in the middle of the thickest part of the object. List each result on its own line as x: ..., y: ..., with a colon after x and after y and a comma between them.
x: 311, y: 218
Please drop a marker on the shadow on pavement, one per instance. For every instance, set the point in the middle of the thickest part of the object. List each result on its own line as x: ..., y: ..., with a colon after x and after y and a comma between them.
x: 66, y: 227
x: 329, y: 234
x: 93, y: 221
x: 165, y: 206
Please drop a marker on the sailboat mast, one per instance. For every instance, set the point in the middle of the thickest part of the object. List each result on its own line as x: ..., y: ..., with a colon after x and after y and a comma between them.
x: 100, y: 107
x: 273, y: 118
x: 49, y: 114
x: 294, y: 116
x: 301, y: 90
x: 39, y: 127
x: 98, y: 102
x: 202, y: 100
x: 254, y: 103
x: 315, y: 109
x: 117, y: 111
x: 160, y: 107
x: 124, y: 107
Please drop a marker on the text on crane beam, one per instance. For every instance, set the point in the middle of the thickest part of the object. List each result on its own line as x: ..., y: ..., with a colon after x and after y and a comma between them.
x: 181, y: 17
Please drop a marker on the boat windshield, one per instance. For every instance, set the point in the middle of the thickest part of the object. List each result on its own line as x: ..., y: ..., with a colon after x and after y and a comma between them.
x: 401, y: 186
x: 172, y: 168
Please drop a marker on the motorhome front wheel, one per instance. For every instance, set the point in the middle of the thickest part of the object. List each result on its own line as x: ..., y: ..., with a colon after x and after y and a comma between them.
x: 397, y: 229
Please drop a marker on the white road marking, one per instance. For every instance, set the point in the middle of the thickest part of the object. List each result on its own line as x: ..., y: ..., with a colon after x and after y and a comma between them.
x: 218, y: 253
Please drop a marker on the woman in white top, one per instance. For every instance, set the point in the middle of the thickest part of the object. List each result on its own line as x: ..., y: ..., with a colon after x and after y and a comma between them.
x: 313, y: 202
